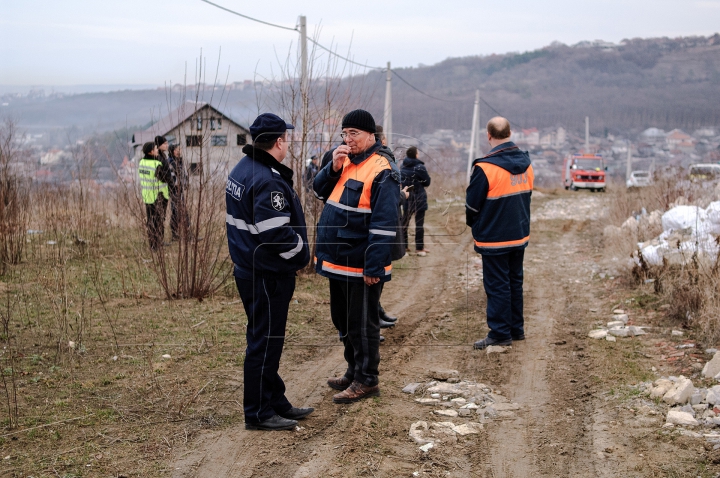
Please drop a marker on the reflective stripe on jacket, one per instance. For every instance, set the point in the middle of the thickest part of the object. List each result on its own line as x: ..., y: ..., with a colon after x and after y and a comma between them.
x: 498, y: 200
x: 267, y: 236
x: 150, y: 186
x: 360, y: 220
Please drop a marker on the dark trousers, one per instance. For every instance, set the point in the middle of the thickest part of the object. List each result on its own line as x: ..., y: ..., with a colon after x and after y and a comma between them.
x: 503, y: 281
x: 156, y: 222
x: 419, y: 229
x: 266, y: 303
x: 179, y: 219
x: 354, y: 311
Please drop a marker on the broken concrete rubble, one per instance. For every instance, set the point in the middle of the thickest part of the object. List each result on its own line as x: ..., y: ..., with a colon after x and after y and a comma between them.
x: 446, y: 413
x: 411, y: 388
x: 443, y: 374
x: 463, y: 400
x: 712, y: 368
x: 598, y: 334
x: 677, y: 417
x: 496, y: 349
x: 680, y: 393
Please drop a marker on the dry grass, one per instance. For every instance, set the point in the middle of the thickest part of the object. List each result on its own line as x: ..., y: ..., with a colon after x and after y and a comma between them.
x: 85, y: 324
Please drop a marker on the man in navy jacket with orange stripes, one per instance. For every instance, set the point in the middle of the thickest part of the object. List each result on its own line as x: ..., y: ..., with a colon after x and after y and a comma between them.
x: 356, y: 232
x: 497, y: 209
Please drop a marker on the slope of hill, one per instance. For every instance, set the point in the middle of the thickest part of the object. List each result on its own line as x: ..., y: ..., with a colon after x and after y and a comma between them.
x: 668, y: 83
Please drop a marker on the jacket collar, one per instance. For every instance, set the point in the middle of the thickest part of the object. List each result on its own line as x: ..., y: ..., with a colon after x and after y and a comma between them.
x: 411, y: 162
x: 502, y: 147
x: 269, y: 160
x: 359, y: 158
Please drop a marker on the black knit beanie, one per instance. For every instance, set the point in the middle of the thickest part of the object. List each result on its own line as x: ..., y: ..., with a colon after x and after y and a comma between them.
x: 148, y: 147
x: 359, y: 119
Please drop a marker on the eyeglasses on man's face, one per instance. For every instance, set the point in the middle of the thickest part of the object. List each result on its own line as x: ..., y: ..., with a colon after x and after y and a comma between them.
x: 352, y: 134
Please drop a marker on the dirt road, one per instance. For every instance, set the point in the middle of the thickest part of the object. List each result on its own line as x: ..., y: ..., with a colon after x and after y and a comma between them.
x: 560, y: 430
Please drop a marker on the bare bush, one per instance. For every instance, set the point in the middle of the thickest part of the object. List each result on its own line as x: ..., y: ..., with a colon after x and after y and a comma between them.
x: 14, y: 197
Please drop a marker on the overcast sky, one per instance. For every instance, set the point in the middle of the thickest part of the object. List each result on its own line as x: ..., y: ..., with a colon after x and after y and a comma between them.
x: 70, y: 42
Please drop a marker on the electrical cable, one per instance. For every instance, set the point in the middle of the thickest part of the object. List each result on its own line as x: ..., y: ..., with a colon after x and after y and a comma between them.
x: 250, y: 18
x: 352, y: 61
x: 342, y: 57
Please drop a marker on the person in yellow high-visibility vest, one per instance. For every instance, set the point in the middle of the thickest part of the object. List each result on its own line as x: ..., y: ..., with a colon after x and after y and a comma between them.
x: 155, y: 193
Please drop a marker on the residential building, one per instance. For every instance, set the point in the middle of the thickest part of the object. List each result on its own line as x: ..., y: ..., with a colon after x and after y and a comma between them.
x: 678, y: 140
x: 209, y: 138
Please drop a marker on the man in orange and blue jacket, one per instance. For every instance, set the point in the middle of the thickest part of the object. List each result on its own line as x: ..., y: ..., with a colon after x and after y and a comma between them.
x: 356, y: 231
x: 497, y: 209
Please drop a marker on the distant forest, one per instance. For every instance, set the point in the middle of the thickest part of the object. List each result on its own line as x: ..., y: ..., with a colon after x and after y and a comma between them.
x: 662, y: 82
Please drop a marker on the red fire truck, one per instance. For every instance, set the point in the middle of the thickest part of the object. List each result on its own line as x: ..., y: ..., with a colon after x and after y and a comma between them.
x: 584, y: 171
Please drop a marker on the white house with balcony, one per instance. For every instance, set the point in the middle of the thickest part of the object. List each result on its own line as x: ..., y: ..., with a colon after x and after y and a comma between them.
x: 209, y: 138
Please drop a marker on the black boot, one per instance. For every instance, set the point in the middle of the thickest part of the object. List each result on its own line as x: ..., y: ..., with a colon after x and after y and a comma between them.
x: 385, y: 317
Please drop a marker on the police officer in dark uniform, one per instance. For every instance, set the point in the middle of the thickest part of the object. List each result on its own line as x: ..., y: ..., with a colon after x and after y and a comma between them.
x: 268, y: 244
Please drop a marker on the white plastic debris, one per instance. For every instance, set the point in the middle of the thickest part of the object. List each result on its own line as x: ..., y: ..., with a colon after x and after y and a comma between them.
x: 166, y: 356
x: 677, y: 333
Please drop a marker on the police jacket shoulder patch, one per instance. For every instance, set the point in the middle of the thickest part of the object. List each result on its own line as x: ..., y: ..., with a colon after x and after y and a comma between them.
x: 277, y: 200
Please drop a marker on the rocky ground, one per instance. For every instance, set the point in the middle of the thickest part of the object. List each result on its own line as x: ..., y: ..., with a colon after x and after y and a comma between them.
x: 557, y: 404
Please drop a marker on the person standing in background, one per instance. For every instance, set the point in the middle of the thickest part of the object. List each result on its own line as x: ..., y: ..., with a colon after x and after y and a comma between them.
x: 398, y: 250
x: 179, y: 219
x: 311, y: 171
x: 415, y: 179
x: 497, y: 208
x: 153, y: 175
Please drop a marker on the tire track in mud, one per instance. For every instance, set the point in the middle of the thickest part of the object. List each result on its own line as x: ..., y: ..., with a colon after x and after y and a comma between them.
x: 546, y: 375
x: 315, y: 451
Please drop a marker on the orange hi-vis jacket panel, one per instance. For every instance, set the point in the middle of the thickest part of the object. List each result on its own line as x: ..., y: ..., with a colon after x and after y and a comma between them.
x: 365, y: 173
x: 352, y: 237
x: 505, y: 212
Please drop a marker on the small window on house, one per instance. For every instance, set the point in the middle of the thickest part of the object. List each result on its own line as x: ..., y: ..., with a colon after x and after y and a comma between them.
x: 193, y: 140
x: 218, y: 140
x: 212, y: 124
x: 195, y: 169
x: 199, y: 124
x: 241, y: 139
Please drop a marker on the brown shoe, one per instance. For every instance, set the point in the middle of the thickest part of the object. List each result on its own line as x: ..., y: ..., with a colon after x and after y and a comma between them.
x: 356, y: 391
x: 339, y: 383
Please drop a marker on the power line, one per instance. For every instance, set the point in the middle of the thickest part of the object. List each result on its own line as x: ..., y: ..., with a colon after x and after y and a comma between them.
x: 351, y: 61
x: 342, y: 57
x: 250, y: 18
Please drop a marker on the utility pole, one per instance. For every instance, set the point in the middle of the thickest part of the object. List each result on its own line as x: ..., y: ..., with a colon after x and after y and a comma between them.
x: 587, y: 135
x: 628, y: 166
x: 474, y: 134
x: 304, y: 93
x: 387, y: 119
